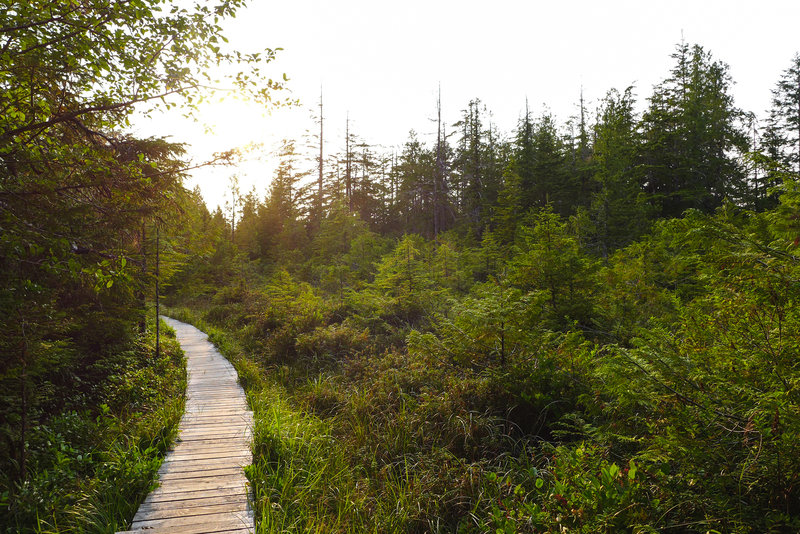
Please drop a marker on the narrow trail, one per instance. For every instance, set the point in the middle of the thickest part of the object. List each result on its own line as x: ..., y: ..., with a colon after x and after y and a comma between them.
x: 203, y: 488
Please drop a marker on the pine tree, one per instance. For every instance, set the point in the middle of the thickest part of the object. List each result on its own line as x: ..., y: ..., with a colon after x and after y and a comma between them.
x: 321, y: 157
x: 495, y: 157
x: 366, y: 189
x: 440, y: 185
x: 348, y: 165
x: 478, y: 168
x: 578, y: 187
x: 281, y: 231
x: 248, y: 226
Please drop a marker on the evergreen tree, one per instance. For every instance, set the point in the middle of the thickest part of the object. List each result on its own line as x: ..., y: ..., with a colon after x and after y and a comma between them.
x: 366, y: 189
x: 416, y: 171
x: 525, y: 160
x: 496, y: 156
x: 508, y: 212
x: 579, y: 165
x: 617, y: 209
x: 281, y: 230
x: 550, y: 181
x: 441, y: 186
x: 550, y: 263
x: 692, y: 137
x: 471, y: 165
x: 384, y: 185
x: 349, y: 142
x: 783, y: 129
x: 478, y: 166
x: 248, y: 225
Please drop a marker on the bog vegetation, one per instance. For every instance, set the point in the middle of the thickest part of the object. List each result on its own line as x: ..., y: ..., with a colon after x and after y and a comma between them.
x: 578, y: 326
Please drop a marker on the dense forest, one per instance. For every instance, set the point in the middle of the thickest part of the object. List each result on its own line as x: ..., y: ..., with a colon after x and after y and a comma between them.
x: 580, y: 325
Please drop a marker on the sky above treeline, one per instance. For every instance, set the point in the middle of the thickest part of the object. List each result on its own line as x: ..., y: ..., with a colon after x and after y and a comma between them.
x: 382, y: 64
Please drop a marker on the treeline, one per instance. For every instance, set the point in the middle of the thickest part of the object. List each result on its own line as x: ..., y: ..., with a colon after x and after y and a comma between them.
x: 614, y: 169
x: 591, y: 331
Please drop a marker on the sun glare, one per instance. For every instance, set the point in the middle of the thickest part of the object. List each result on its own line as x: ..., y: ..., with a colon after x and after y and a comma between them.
x: 227, y: 124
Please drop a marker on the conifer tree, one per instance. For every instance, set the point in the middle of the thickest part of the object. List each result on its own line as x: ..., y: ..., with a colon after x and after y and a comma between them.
x: 416, y: 171
x: 617, y: 206
x: 551, y: 183
x: 348, y: 165
x: 524, y: 158
x: 692, y: 136
x: 440, y: 185
x: 281, y: 229
x: 321, y: 157
x: 248, y: 226
x: 495, y: 156
x: 471, y: 165
x: 783, y: 128
x: 580, y: 165
x: 366, y: 189
x: 478, y: 167
x: 508, y: 213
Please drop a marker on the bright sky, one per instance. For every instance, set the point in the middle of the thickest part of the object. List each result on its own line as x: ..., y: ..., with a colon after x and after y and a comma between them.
x: 383, y: 62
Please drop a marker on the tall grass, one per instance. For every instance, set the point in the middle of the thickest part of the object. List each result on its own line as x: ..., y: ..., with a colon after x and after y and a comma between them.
x: 333, y: 457
x: 300, y: 478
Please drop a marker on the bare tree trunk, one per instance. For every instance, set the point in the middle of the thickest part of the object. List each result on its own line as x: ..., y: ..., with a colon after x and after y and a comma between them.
x: 235, y: 197
x: 23, y: 435
x: 321, y: 143
x: 438, y: 173
x: 347, y: 177
x: 143, y: 288
x: 158, y: 298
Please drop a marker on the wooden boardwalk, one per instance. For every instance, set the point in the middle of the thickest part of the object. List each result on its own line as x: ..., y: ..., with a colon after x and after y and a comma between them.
x: 203, y: 488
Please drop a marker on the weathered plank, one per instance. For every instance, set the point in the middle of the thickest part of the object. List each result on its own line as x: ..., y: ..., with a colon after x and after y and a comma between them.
x: 192, y: 529
x: 228, y: 481
x: 202, y: 488
x: 193, y: 511
x: 181, y: 443
x: 195, y: 446
x: 195, y: 474
x: 234, y: 499
x: 202, y: 464
x: 191, y: 495
x: 198, y: 524
x: 195, y: 450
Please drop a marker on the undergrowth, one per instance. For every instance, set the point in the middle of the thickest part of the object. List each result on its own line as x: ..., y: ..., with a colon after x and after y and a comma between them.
x: 653, y: 392
x: 398, y: 443
x: 89, y: 470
